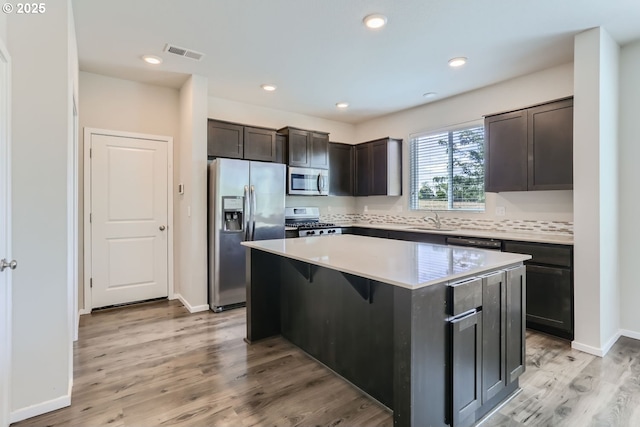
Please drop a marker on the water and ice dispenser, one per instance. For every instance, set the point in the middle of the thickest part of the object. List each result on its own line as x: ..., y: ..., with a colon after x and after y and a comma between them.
x: 232, y: 213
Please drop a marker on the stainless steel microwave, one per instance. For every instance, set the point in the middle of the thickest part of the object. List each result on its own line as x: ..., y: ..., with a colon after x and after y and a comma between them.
x: 308, y: 181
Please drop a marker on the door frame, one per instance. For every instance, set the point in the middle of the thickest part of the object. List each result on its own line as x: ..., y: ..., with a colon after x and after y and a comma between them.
x: 5, y: 192
x: 87, y: 205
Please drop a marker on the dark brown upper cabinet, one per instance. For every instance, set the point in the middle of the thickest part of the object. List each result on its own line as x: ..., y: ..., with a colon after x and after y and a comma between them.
x: 530, y: 149
x: 260, y: 144
x: 306, y: 148
x: 378, y: 168
x: 225, y: 139
x: 237, y: 141
x: 281, y: 144
x: 340, y: 169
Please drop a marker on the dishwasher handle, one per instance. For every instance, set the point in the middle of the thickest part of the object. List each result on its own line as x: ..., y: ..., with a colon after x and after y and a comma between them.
x: 475, y: 243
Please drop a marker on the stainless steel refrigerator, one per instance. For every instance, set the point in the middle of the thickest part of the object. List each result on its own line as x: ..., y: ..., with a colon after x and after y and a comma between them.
x: 246, y: 202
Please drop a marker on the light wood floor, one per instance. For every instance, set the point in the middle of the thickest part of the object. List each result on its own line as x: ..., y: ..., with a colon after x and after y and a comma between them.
x: 157, y: 365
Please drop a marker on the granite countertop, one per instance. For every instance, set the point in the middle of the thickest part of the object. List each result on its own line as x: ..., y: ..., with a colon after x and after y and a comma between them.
x: 560, y: 239
x: 410, y: 265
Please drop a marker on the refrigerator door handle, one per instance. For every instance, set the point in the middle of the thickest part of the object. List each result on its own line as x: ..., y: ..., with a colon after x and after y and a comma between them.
x: 246, y: 213
x: 253, y: 210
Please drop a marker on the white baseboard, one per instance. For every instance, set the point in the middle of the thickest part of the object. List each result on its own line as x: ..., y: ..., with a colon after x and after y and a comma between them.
x: 41, y: 408
x: 83, y: 311
x: 587, y: 348
x: 192, y: 309
x: 600, y: 352
x: 630, y: 334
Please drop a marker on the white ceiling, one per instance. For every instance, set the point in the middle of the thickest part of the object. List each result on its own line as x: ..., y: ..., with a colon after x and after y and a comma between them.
x: 318, y: 52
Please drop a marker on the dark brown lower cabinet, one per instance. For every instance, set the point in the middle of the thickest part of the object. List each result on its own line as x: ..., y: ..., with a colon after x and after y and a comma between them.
x: 494, y: 301
x: 515, y: 316
x: 466, y: 374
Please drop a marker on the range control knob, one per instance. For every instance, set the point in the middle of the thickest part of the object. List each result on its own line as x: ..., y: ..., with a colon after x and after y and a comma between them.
x: 321, y: 232
x: 310, y: 233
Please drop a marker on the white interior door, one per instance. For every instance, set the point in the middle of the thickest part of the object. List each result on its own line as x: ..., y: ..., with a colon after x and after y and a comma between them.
x: 5, y: 235
x: 129, y: 219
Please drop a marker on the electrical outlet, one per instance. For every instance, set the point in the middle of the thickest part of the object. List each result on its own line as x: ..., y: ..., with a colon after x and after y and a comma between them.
x: 500, y: 211
x: 366, y: 208
x: 399, y: 208
x: 328, y: 209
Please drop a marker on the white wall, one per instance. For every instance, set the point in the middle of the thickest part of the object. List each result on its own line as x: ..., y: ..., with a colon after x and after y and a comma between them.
x: 41, y: 136
x: 512, y: 94
x: 191, y: 207
x: 231, y: 111
x: 595, y: 191
x: 629, y: 203
x: 124, y: 105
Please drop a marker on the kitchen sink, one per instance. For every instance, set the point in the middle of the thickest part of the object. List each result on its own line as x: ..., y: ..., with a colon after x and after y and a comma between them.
x: 432, y: 229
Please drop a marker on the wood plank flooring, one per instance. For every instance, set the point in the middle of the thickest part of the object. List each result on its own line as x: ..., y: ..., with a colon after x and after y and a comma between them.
x: 158, y: 365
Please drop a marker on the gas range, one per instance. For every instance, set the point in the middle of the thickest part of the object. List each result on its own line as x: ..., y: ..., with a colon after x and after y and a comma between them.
x: 307, y: 222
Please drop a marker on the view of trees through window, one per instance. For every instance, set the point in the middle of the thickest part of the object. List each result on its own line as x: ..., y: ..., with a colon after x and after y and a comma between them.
x: 447, y: 170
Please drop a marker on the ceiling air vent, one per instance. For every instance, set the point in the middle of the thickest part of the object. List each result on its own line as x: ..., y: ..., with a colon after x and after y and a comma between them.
x: 181, y: 51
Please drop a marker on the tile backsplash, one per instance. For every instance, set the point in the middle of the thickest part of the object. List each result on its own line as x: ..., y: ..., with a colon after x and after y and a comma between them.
x: 512, y: 225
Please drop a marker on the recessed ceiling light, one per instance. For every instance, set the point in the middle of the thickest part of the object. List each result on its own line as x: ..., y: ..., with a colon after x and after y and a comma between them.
x: 457, y: 62
x: 268, y: 87
x: 151, y: 59
x: 430, y: 95
x: 342, y: 104
x: 375, y: 20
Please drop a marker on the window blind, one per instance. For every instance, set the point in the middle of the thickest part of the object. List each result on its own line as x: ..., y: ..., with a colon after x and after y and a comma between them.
x: 447, y: 170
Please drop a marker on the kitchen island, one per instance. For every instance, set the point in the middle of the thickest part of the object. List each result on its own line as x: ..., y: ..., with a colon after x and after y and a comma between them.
x: 433, y: 332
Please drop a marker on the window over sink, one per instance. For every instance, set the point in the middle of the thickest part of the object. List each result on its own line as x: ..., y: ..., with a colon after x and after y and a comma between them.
x: 447, y: 169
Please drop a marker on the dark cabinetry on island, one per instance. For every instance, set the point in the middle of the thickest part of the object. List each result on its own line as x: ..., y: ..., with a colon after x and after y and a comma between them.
x: 530, y: 149
x: 487, y: 335
x: 442, y: 354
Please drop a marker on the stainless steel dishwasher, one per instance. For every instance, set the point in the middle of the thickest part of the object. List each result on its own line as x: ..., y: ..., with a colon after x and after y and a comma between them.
x: 475, y: 242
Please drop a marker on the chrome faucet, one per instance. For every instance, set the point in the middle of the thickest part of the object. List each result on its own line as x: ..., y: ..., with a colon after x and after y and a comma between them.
x: 435, y: 220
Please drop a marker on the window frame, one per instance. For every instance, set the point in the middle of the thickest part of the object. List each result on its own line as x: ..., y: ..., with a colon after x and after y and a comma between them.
x: 414, y: 185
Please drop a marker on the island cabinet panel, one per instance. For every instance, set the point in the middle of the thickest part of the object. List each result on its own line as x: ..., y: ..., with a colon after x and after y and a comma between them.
x: 466, y: 374
x: 515, y: 328
x: 420, y: 354
x: 494, y: 309
x: 329, y: 314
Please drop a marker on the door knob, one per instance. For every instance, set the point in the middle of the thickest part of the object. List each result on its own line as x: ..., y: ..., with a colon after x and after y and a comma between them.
x: 4, y: 264
x: 162, y: 227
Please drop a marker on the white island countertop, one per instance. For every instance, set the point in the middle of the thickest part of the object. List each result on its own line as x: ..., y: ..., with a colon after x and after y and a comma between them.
x: 410, y: 265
